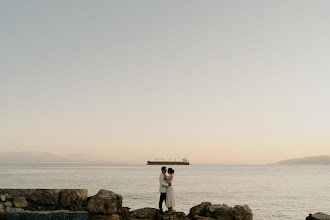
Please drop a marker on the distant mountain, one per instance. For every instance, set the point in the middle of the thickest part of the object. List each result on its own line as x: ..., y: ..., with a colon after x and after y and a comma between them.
x: 32, y: 157
x: 307, y: 160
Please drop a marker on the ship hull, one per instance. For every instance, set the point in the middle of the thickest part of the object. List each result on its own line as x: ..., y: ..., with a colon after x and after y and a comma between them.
x: 166, y: 163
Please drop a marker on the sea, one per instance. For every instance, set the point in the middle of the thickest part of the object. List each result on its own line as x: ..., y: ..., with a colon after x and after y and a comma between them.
x: 272, y: 192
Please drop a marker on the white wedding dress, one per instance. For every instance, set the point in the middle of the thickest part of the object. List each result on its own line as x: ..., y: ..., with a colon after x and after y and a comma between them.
x: 170, y: 202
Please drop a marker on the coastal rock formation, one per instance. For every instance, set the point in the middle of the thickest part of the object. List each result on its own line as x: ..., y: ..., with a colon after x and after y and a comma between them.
x: 11, y: 193
x: 73, y: 198
x: 207, y: 210
x: 43, y: 196
x: 154, y: 214
x: 242, y: 212
x: 105, y: 205
x: 105, y: 202
x: 174, y: 216
x: 145, y: 213
x: 318, y: 216
x: 45, y: 199
x: 124, y: 213
x: 199, y: 209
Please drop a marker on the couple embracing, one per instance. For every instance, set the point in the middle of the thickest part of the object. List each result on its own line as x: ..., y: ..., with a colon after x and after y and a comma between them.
x: 166, y: 190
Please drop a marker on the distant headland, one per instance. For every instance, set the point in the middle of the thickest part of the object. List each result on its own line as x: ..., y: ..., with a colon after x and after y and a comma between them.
x: 316, y: 160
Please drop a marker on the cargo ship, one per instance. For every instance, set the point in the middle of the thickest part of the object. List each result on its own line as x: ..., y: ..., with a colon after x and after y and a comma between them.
x: 169, y: 162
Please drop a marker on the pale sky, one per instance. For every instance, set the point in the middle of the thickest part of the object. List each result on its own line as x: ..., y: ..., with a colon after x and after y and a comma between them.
x: 220, y: 82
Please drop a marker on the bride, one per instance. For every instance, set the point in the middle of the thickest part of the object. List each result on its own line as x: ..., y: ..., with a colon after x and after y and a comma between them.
x: 170, y: 202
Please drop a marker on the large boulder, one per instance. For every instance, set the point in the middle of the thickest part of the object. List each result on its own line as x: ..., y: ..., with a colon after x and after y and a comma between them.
x: 200, y: 209
x: 207, y: 211
x: 105, y: 202
x: 44, y: 196
x: 318, y: 216
x: 146, y: 214
x: 3, y: 197
x: 20, y: 202
x: 74, y: 198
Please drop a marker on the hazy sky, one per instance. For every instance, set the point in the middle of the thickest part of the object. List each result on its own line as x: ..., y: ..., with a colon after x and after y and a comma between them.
x: 238, y: 82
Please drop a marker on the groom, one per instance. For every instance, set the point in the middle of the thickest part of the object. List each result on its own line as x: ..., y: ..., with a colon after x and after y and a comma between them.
x: 162, y: 189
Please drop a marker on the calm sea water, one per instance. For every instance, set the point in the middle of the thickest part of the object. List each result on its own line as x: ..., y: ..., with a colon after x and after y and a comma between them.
x: 272, y: 192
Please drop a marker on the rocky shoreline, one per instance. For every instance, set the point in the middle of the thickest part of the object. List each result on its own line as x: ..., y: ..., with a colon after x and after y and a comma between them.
x: 74, y: 204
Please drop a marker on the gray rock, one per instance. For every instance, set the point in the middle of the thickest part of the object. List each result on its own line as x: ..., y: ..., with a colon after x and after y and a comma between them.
x: 73, y: 198
x: 318, y: 216
x: 145, y: 213
x: 3, y: 197
x: 105, y: 202
x: 8, y: 204
x: 105, y: 217
x: 20, y: 202
x: 44, y: 196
